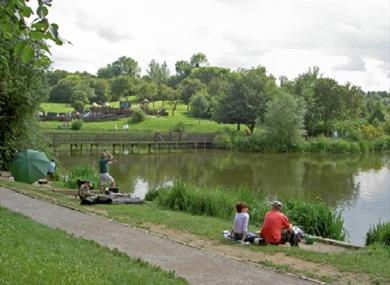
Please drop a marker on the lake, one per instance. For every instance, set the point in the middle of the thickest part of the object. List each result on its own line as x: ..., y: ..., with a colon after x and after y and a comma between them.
x: 358, y: 184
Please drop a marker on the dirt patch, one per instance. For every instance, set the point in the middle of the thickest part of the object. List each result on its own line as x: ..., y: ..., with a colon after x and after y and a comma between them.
x: 278, y: 260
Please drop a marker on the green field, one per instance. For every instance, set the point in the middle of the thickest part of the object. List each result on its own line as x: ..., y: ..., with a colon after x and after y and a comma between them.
x: 151, y: 124
x: 31, y: 253
x: 56, y: 107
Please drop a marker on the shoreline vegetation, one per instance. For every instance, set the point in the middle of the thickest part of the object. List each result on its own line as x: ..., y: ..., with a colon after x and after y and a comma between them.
x: 315, y: 217
x: 368, y: 265
x: 259, y: 142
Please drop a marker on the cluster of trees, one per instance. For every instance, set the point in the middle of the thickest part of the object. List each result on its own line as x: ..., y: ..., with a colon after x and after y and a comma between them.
x: 314, y: 103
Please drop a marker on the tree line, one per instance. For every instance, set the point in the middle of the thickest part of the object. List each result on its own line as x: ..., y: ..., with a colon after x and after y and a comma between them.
x: 236, y: 97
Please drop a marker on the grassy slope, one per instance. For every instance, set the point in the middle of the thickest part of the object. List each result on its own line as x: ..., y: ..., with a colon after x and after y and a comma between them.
x: 373, y: 261
x: 56, y: 107
x: 152, y: 124
x: 31, y: 253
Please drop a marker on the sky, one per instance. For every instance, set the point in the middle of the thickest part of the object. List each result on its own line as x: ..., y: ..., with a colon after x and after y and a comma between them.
x: 348, y: 40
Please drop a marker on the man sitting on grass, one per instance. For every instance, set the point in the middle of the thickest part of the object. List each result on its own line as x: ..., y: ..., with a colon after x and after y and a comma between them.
x: 105, y: 177
x: 276, y: 228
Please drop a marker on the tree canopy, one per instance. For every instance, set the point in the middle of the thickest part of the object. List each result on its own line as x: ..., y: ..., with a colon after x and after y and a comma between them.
x: 24, y: 56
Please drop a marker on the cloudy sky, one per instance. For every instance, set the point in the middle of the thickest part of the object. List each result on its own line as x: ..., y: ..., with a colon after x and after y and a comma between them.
x: 348, y: 39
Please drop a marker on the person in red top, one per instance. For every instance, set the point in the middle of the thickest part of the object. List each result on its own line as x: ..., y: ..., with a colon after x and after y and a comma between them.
x: 276, y: 228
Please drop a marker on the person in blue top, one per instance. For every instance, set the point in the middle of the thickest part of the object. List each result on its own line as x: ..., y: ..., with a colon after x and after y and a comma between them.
x: 104, y: 176
x: 51, y: 169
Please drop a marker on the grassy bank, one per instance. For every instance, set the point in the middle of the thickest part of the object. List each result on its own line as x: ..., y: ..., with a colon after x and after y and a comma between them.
x: 31, y: 253
x: 372, y: 262
x: 150, y: 124
x: 314, y: 217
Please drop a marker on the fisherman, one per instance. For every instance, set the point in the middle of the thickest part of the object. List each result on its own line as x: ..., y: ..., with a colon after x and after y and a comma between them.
x: 104, y: 177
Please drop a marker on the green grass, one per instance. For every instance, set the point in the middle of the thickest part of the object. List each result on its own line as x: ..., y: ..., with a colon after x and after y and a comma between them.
x: 57, y: 107
x: 31, y: 253
x: 373, y: 260
x: 151, y: 123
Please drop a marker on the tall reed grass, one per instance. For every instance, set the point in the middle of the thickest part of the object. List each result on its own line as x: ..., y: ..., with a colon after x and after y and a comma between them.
x: 82, y: 172
x: 379, y: 234
x: 314, y: 217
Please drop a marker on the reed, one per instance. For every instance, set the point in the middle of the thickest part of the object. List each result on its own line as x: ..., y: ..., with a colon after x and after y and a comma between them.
x: 379, y: 234
x: 314, y: 217
x: 82, y: 172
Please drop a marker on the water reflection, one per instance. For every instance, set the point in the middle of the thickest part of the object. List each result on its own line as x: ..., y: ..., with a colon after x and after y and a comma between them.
x: 357, y: 184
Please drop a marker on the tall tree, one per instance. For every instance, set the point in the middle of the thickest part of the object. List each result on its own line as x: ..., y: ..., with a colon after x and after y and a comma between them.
x: 24, y: 55
x: 122, y: 66
x: 198, y: 60
x: 245, y: 99
x: 188, y: 87
x: 158, y: 73
x: 284, y: 119
x: 101, y: 87
x: 328, y: 101
x: 122, y: 86
x: 148, y: 90
x: 303, y: 86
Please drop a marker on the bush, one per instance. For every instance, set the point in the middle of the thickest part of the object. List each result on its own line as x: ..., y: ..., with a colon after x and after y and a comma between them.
x: 223, y: 141
x: 82, y: 172
x: 349, y: 129
x: 137, y: 117
x: 386, y: 127
x: 314, y: 217
x: 179, y: 128
x: 370, y: 132
x: 152, y: 194
x: 76, y: 125
x: 379, y: 234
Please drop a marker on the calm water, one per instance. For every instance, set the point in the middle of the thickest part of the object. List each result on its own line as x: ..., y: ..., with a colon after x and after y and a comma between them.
x: 358, y: 185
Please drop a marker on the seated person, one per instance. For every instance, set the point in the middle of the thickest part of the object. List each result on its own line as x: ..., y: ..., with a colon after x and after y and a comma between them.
x: 84, y: 187
x: 241, y: 220
x: 276, y: 228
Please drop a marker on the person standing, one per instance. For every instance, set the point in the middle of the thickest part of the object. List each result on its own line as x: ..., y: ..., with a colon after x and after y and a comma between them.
x: 104, y: 176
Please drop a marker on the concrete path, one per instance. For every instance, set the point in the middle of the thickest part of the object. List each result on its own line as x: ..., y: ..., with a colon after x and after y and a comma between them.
x: 195, y: 265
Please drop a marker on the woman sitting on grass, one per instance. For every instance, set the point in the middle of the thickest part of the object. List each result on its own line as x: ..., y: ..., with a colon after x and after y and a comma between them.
x: 240, y: 225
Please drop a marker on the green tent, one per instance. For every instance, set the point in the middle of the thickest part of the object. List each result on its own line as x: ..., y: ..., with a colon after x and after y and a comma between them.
x: 29, y: 166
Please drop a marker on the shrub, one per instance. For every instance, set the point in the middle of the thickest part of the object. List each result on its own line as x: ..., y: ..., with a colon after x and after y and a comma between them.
x: 82, y: 172
x: 76, y: 125
x: 180, y: 127
x: 379, y: 233
x: 152, y: 194
x: 314, y: 217
x: 386, y: 127
x: 78, y: 105
x: 137, y: 116
x: 223, y: 141
x: 350, y: 129
x: 370, y: 132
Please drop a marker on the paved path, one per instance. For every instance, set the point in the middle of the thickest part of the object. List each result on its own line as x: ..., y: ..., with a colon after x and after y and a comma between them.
x: 195, y: 265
